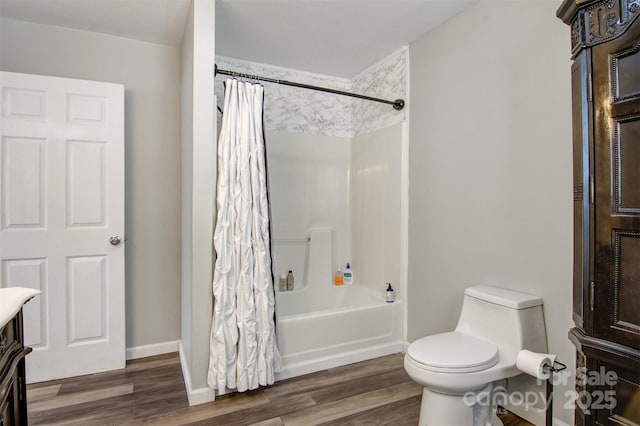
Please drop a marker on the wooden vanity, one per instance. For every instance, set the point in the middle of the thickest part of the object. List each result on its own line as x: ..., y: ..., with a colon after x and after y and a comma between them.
x: 13, y: 396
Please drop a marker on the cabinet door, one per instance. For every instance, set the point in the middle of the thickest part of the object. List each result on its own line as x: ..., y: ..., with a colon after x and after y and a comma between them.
x: 616, y: 85
x: 608, y: 390
x: 582, y: 149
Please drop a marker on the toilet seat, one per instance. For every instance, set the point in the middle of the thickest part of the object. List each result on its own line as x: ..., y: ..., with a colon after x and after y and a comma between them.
x: 453, y: 352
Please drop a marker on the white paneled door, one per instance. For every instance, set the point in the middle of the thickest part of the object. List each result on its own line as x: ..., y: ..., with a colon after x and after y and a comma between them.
x: 62, y: 219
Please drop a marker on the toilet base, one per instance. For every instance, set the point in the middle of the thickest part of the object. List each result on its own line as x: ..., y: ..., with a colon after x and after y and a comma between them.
x: 438, y: 409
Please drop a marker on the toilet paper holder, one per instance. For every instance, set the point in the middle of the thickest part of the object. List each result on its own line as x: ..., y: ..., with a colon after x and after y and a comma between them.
x: 556, y: 367
x: 553, y: 368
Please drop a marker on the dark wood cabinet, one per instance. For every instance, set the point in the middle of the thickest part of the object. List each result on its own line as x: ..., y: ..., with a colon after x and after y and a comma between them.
x: 605, y: 76
x: 13, y: 397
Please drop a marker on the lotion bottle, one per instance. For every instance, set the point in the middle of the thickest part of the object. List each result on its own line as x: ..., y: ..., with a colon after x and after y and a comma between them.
x: 348, y: 275
x: 282, y: 284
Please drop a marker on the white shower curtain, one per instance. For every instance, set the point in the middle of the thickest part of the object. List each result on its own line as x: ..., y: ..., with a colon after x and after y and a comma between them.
x: 243, y: 348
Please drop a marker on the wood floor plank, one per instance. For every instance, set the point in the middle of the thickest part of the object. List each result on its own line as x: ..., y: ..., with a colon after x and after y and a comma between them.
x: 161, y: 404
x: 158, y: 377
x: 399, y: 413
x: 354, y: 404
x: 132, y: 366
x: 270, y: 410
x: 221, y: 406
x: 80, y: 397
x: 123, y: 418
x: 354, y: 387
x: 44, y: 392
x: 335, y: 376
x: 115, y: 409
x: 91, y: 384
x: 271, y: 422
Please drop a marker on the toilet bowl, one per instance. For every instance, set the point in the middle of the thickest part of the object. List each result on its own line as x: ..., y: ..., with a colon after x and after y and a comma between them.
x: 455, y: 367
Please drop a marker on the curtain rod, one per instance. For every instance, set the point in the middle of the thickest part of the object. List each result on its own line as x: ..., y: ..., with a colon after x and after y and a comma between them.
x: 397, y: 104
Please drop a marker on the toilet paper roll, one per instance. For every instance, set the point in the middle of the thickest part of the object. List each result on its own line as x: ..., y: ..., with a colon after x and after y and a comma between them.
x: 533, y: 363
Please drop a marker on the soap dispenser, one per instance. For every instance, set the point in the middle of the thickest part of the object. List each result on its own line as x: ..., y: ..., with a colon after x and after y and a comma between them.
x: 391, y: 297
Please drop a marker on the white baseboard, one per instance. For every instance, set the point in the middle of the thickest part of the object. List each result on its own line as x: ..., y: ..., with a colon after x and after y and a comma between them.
x: 195, y: 396
x: 136, y: 352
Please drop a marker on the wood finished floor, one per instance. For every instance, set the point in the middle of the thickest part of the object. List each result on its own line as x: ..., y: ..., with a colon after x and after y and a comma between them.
x: 151, y: 391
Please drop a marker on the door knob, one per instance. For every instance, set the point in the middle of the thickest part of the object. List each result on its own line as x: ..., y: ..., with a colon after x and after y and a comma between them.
x: 115, y: 240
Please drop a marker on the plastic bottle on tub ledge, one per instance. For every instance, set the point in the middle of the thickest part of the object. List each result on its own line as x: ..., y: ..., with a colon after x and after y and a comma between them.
x: 338, y: 279
x: 290, y: 281
x: 282, y: 284
x: 391, y: 295
x: 348, y: 275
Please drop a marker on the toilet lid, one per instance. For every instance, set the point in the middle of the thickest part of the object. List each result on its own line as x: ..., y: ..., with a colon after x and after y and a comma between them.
x: 453, y: 353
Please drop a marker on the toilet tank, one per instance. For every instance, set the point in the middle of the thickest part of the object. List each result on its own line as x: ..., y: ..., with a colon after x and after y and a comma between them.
x: 510, y: 319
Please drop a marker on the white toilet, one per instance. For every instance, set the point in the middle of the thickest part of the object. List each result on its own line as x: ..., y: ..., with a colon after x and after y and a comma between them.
x: 495, y: 324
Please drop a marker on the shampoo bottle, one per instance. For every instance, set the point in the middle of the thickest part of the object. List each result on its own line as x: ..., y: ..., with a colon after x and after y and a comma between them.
x: 282, y: 284
x: 290, y: 281
x: 391, y: 297
x: 338, y: 279
x: 348, y: 275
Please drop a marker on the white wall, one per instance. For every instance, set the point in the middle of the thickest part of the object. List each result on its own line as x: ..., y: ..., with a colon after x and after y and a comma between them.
x: 375, y: 195
x: 150, y: 74
x: 198, y: 195
x: 490, y: 169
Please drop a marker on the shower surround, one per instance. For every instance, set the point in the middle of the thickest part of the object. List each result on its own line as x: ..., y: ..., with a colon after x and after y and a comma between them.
x: 336, y: 172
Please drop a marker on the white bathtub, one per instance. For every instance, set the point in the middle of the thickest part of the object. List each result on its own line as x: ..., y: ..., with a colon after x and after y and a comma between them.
x: 326, y: 326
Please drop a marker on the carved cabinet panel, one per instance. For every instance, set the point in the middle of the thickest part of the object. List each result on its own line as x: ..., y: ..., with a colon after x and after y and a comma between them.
x: 616, y: 103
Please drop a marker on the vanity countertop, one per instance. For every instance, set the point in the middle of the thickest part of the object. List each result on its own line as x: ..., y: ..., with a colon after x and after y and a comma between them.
x: 11, y: 301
